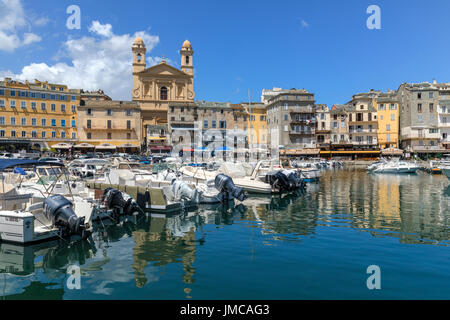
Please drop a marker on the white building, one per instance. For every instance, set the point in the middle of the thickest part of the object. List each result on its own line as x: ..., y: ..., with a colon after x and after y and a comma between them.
x: 444, y: 121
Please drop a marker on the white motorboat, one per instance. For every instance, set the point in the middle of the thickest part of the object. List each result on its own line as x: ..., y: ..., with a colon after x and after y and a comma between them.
x: 25, y: 219
x: 397, y: 167
x: 243, y: 175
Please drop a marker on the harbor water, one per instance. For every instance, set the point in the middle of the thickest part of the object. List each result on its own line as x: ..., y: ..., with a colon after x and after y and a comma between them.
x: 312, y: 245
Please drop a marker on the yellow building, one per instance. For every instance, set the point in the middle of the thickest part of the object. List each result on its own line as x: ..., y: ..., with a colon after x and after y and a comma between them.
x: 37, y: 115
x: 109, y: 125
x: 388, y: 119
x: 257, y: 125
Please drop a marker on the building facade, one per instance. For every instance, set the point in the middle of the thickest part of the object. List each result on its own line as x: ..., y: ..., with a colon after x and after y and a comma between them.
x: 270, y: 93
x: 444, y: 116
x: 257, y: 125
x: 108, y: 125
x: 323, y: 129
x: 291, y: 120
x: 37, y: 115
x: 419, y: 116
x: 388, y: 119
x: 155, y: 88
x: 363, y: 122
x: 339, y: 127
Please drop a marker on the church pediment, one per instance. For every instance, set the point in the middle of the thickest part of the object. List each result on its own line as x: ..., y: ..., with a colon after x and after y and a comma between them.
x: 163, y: 69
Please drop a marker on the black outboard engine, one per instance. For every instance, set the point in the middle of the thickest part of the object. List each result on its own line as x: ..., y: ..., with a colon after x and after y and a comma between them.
x: 284, y: 181
x: 119, y: 202
x: 226, y: 186
x: 60, y: 211
x: 295, y: 181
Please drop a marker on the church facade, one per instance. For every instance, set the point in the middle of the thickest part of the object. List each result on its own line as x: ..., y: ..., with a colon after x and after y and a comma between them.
x: 157, y: 87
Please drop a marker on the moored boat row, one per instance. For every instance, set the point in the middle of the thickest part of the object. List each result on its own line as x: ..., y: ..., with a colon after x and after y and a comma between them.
x: 45, y: 200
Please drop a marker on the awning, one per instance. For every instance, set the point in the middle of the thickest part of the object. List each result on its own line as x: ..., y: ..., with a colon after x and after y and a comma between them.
x: 128, y: 145
x: 188, y: 150
x: 392, y: 152
x: 156, y: 138
x: 62, y: 145
x: 308, y: 152
x: 428, y: 150
x: 352, y: 152
x: 83, y: 145
x: 160, y: 148
x: 105, y: 146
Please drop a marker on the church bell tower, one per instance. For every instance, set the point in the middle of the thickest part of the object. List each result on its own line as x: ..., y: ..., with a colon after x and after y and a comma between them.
x: 187, y: 54
x: 139, y: 51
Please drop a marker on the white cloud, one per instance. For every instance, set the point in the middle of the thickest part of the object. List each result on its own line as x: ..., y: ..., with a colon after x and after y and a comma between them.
x: 12, y: 19
x: 304, y: 23
x: 12, y: 15
x: 30, y: 38
x: 95, y: 63
x: 8, y: 42
x: 101, y: 29
x: 153, y: 61
x: 41, y: 21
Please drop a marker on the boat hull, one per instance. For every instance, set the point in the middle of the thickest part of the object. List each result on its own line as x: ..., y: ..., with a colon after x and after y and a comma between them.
x: 397, y: 170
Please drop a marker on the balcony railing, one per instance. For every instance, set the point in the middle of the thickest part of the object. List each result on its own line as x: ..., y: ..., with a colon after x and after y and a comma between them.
x: 303, y: 121
x: 103, y: 128
x: 365, y: 143
x: 302, y: 132
x: 302, y: 110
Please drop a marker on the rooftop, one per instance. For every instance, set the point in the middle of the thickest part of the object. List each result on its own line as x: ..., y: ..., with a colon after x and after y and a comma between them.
x: 110, y: 104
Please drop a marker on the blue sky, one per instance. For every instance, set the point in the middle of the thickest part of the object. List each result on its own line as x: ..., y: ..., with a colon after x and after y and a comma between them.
x: 322, y: 46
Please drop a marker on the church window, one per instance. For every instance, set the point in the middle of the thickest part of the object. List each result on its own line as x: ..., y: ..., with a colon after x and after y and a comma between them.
x: 187, y: 59
x: 163, y: 93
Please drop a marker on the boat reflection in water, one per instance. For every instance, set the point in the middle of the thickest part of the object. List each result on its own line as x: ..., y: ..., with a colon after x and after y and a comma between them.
x: 51, y: 258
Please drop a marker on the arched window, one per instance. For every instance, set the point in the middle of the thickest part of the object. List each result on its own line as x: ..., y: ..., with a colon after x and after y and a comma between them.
x: 187, y: 59
x: 139, y: 57
x: 163, y: 93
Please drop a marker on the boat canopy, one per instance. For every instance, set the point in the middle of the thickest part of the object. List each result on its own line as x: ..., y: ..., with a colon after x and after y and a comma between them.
x: 11, y: 163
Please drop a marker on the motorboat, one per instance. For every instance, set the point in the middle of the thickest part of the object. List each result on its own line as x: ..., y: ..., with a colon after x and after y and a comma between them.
x: 25, y: 219
x: 262, y: 179
x: 309, y: 173
x: 397, y: 167
x: 88, y: 167
x: 240, y: 173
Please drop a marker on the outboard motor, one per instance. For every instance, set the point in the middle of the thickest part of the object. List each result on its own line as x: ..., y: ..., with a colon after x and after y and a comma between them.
x: 119, y: 202
x: 294, y: 180
x: 60, y: 211
x: 277, y: 180
x: 182, y: 191
x: 286, y: 180
x: 226, y: 186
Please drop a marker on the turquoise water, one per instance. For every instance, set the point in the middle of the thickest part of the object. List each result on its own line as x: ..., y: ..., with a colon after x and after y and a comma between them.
x: 315, y: 245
